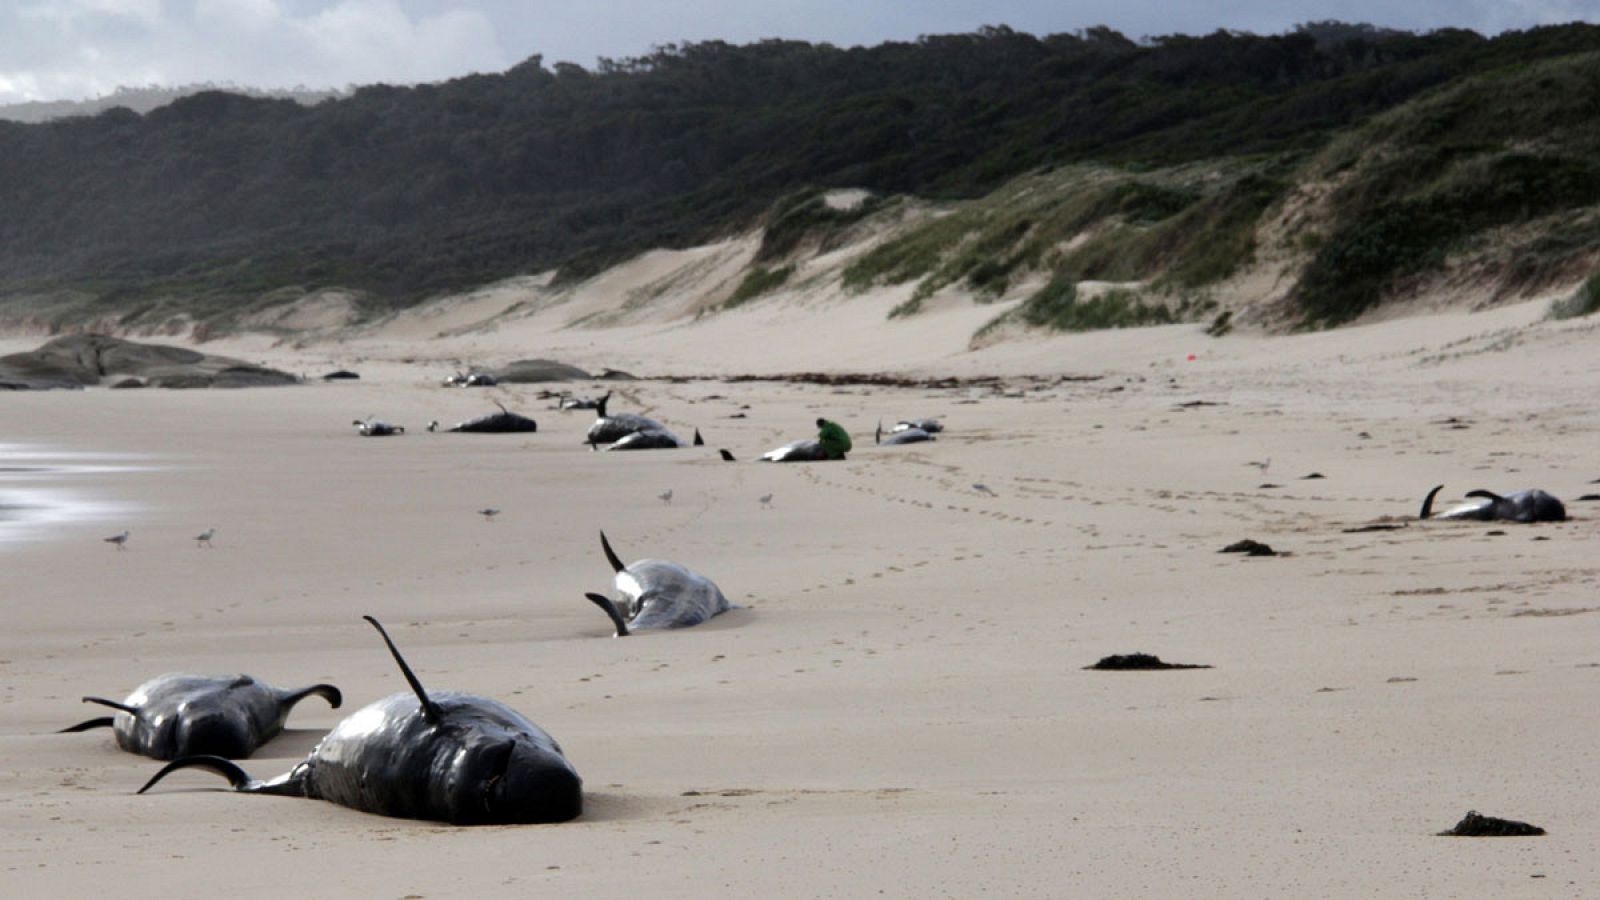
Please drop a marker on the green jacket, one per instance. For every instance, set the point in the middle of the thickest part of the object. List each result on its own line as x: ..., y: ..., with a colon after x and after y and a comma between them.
x: 833, y: 438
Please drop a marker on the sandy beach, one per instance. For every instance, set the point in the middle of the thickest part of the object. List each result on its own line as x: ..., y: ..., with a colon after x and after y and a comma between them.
x: 900, y: 706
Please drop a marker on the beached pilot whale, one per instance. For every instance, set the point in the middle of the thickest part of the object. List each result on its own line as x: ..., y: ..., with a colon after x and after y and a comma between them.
x: 503, y: 422
x: 902, y: 435
x: 647, y: 439
x: 608, y: 429
x: 658, y: 594
x: 177, y: 715
x: 806, y: 450
x: 931, y: 426
x: 447, y: 757
x: 567, y: 402
x: 373, y: 427
x: 1523, y: 506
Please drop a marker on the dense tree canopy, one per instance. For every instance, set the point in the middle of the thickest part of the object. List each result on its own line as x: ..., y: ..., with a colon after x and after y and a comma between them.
x: 406, y: 191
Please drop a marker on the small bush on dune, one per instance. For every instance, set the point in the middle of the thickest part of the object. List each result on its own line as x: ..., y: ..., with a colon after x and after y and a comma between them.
x: 1581, y: 302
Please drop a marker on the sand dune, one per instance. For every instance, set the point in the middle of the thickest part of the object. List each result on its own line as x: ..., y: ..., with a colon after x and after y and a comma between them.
x: 901, y: 707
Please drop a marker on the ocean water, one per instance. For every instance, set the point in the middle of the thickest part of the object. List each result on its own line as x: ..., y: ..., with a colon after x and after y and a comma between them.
x: 45, y: 491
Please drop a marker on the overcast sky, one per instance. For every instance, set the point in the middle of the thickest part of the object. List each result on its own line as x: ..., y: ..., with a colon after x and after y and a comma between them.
x: 70, y: 49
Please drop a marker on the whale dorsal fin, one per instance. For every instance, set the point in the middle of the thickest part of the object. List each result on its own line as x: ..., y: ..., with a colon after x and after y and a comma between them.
x: 130, y: 710
x: 430, y: 709
x: 698, y: 440
x: 877, y: 437
x: 611, y: 555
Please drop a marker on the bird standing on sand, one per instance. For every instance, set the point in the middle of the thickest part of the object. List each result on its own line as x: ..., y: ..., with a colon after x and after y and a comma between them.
x: 203, y: 539
x: 982, y: 488
x: 119, y: 539
x: 488, y: 513
x: 766, y: 501
x: 667, y: 497
x: 1263, y: 465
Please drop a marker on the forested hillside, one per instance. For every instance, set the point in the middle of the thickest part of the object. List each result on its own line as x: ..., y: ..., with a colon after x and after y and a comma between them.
x: 403, y: 192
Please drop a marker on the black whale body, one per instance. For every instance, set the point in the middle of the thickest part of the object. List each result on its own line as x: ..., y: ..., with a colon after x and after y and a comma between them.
x: 1531, y: 505
x: 502, y: 422
x: 449, y: 757
x: 178, y: 714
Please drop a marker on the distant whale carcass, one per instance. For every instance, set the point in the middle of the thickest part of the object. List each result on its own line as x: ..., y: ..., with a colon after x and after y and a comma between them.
x: 658, y: 594
x: 448, y: 757
x: 503, y: 422
x: 647, y: 439
x: 902, y: 435
x: 373, y: 427
x: 1531, y: 505
x: 609, y: 429
x: 177, y: 715
x: 805, y: 450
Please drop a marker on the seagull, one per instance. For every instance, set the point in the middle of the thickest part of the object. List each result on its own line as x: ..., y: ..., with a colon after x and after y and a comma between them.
x: 488, y: 513
x: 667, y: 497
x: 982, y: 488
x: 203, y: 539
x: 766, y: 501
x: 1261, y: 464
x: 119, y: 540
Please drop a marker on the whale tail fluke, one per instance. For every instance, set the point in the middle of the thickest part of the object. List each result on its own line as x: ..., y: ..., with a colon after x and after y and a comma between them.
x: 1427, y: 502
x: 326, y: 691
x: 611, y: 555
x: 610, y: 608
x: 105, y: 722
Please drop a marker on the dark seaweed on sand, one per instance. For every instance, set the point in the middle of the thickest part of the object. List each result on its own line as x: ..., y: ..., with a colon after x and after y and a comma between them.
x: 1474, y: 825
x: 1139, y: 661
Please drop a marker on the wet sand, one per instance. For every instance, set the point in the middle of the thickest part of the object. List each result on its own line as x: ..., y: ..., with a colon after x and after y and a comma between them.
x: 900, y: 707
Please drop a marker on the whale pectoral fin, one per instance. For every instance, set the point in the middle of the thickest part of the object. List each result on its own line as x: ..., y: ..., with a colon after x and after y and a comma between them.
x: 611, y: 555
x: 130, y: 710
x: 106, y: 722
x: 430, y: 709
x: 611, y: 610
x: 1427, y: 502
x: 1492, y: 496
x: 226, y: 768
x: 326, y: 691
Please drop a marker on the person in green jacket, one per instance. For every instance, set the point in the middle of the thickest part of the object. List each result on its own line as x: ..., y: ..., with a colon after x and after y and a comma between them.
x: 833, y: 438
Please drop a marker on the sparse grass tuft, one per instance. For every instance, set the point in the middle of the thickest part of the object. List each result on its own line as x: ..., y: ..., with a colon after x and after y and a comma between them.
x: 759, y: 281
